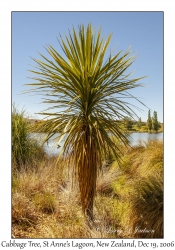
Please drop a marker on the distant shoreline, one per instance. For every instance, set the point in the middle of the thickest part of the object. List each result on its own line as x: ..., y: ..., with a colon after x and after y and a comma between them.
x: 133, y: 130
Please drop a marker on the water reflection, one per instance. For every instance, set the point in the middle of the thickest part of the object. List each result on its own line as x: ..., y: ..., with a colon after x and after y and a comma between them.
x: 51, y: 147
x: 136, y: 137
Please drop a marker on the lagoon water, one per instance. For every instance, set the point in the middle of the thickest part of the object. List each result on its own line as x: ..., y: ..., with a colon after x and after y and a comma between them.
x: 51, y: 146
x: 136, y: 137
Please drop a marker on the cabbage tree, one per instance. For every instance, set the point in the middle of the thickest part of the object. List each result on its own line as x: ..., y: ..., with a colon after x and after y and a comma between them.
x: 87, y: 93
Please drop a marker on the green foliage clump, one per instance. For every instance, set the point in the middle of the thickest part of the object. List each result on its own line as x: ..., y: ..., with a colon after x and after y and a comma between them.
x: 24, y: 148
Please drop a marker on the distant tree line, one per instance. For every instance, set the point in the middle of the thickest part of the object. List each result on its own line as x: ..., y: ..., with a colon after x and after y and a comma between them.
x: 152, y: 124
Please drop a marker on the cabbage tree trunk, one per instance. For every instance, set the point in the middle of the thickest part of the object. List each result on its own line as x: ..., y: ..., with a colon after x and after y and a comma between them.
x: 88, y: 159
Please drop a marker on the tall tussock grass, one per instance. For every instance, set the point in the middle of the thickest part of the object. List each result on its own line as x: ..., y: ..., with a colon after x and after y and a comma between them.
x: 140, y: 185
x: 147, y: 208
x: 24, y: 148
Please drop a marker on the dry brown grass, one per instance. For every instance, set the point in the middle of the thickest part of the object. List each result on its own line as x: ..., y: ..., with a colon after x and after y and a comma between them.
x: 129, y: 196
x: 140, y: 185
x: 23, y: 211
x: 147, y: 208
x: 46, y: 205
x: 105, y: 180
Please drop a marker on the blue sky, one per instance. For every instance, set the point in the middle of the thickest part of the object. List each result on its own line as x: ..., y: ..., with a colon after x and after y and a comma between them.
x: 31, y: 31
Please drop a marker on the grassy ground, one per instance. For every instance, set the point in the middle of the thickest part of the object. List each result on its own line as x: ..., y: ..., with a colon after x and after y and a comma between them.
x: 129, y: 199
x: 46, y: 204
